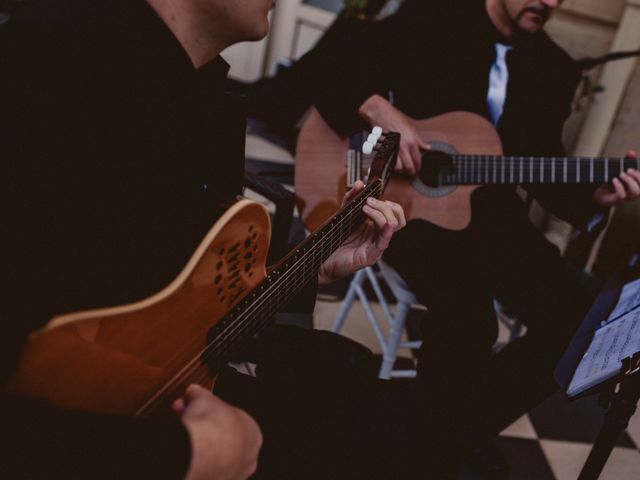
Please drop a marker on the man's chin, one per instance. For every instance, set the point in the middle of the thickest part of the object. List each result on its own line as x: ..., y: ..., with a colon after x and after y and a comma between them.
x: 531, y: 25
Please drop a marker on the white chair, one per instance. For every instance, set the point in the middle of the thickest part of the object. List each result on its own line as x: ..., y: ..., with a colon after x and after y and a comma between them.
x: 405, y: 298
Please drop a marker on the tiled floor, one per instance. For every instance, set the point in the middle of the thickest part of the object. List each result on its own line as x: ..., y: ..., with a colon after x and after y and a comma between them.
x: 552, y: 442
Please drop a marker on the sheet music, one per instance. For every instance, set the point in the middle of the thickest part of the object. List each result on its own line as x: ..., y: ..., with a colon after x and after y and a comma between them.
x: 618, y: 339
x: 629, y: 299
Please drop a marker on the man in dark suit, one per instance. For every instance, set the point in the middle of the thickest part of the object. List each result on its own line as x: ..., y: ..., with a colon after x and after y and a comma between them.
x: 490, y: 57
x: 120, y: 152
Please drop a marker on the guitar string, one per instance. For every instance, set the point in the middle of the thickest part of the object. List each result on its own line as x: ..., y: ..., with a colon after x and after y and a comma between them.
x: 241, y: 325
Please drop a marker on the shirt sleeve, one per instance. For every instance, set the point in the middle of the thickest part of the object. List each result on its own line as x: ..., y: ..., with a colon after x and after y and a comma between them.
x: 362, y: 67
x: 40, y: 441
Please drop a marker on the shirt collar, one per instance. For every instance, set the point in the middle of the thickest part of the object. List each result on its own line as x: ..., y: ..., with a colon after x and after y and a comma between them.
x: 215, y: 72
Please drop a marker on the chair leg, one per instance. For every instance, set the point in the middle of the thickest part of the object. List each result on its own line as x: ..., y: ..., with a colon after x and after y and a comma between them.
x: 347, y: 303
x: 391, y: 347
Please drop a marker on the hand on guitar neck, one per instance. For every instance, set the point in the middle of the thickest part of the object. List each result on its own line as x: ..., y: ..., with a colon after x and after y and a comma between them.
x: 376, y: 110
x: 624, y: 188
x: 366, y: 245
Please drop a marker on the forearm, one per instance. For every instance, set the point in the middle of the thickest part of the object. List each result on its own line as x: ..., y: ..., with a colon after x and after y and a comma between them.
x: 374, y: 109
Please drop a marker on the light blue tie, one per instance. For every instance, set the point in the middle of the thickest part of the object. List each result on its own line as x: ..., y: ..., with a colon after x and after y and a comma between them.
x: 498, y: 79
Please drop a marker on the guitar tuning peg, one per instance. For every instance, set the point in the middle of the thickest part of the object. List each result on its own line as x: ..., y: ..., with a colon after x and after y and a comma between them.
x: 367, y: 147
x: 377, y: 131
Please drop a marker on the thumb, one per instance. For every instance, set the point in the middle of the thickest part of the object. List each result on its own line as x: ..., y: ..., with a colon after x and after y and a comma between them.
x: 194, y: 391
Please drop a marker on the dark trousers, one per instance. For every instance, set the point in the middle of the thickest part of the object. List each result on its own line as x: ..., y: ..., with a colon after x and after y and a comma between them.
x: 324, y: 414
x: 456, y: 275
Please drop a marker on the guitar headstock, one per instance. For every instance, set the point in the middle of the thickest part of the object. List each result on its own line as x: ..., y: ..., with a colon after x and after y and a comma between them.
x: 385, y: 151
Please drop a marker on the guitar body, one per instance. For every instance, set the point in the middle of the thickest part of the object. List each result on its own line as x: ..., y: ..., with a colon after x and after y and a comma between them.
x: 320, y: 176
x: 136, y: 359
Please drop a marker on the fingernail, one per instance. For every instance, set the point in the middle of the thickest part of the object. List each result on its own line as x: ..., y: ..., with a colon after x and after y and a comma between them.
x: 371, y: 201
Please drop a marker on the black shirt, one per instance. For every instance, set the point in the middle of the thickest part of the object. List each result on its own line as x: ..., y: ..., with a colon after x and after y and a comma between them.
x: 118, y: 156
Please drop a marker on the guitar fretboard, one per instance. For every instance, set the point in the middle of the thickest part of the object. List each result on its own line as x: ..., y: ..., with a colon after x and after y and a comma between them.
x: 491, y: 169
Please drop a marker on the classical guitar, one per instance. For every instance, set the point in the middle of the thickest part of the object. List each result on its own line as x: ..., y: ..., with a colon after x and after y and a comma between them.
x: 465, y: 154
x: 136, y: 359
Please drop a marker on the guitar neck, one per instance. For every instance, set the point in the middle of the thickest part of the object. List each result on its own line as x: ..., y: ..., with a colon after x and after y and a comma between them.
x: 492, y: 169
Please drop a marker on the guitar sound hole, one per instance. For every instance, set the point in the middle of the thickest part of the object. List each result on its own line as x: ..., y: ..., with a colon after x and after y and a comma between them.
x: 235, y: 263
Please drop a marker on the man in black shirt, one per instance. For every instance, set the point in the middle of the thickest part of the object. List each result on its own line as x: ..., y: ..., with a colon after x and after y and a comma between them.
x: 120, y: 153
x: 438, y: 56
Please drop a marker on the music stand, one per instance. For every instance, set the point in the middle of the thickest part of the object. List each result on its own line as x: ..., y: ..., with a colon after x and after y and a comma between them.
x: 619, y: 391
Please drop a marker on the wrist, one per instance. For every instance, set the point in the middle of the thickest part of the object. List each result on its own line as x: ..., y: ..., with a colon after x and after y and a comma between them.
x: 371, y: 109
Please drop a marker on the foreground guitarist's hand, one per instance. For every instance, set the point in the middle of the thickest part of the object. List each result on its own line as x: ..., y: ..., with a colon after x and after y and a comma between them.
x: 365, y: 246
x: 225, y: 441
x: 624, y: 188
x: 378, y: 111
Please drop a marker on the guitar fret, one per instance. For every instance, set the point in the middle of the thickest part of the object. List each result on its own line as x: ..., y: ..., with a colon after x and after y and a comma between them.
x: 565, y: 170
x: 591, y: 171
x: 510, y: 169
x: 495, y: 161
x: 467, y: 174
x: 606, y: 169
x: 486, y: 168
x: 530, y: 170
x: 541, y: 162
x: 553, y: 170
x: 578, y: 171
x: 521, y: 167
x: 467, y: 171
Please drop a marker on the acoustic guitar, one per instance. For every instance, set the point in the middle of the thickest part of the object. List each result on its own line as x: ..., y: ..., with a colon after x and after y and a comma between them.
x: 137, y: 359
x: 465, y: 154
